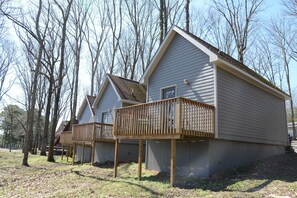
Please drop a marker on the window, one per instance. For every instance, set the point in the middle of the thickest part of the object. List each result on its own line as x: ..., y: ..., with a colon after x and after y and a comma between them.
x: 104, y: 117
x: 168, y: 92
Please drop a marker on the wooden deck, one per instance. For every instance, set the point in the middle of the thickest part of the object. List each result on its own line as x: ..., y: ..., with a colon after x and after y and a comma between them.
x: 66, y: 138
x: 173, y: 118
x: 89, y: 132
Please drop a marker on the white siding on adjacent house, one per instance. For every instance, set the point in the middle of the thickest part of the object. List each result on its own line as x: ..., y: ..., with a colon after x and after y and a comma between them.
x: 86, y: 115
x: 108, y: 102
x: 247, y: 113
x: 182, y: 60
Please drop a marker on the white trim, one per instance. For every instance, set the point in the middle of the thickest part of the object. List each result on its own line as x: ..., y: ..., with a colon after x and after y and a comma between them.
x: 82, y: 107
x: 248, y: 77
x: 212, y: 56
x: 114, y: 87
x: 100, y: 93
x: 169, y: 86
x: 159, y: 53
x: 216, y: 101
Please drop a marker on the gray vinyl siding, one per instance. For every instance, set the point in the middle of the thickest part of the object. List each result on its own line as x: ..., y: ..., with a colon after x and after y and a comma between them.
x: 248, y: 113
x: 182, y: 60
x: 86, y: 115
x: 108, y: 102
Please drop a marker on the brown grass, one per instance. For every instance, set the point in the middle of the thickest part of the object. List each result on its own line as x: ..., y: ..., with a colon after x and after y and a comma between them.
x: 273, y: 177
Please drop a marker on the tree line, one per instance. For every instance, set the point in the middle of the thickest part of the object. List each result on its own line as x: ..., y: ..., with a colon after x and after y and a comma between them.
x: 56, y: 40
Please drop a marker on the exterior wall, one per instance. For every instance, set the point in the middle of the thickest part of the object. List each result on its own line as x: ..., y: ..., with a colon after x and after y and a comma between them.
x: 247, y: 113
x: 202, y: 158
x: 225, y: 154
x: 104, y: 151
x: 191, y: 157
x: 108, y: 102
x: 86, y: 115
x: 87, y: 153
x: 182, y: 60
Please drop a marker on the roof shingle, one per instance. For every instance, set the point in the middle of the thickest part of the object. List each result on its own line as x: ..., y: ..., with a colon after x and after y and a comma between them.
x: 129, y: 89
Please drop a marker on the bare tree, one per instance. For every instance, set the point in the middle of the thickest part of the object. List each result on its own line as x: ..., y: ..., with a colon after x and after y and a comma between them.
x: 115, y: 21
x: 241, y: 18
x: 7, y: 56
x: 264, y: 59
x: 187, y: 9
x: 283, y: 35
x: 170, y: 13
x: 77, y: 24
x: 95, y: 39
x: 64, y: 14
x: 290, y: 7
x: 38, y: 35
x: 220, y: 33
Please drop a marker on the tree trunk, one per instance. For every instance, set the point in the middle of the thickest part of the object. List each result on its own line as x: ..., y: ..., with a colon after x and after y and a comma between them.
x: 60, y: 82
x: 161, y: 17
x: 47, y: 119
x: 187, y: 15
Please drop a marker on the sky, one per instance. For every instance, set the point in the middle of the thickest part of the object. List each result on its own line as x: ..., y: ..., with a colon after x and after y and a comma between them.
x: 271, y: 10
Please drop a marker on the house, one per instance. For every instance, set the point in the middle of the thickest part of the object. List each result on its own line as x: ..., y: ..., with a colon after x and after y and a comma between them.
x: 205, y: 111
x: 290, y: 128
x: 86, y: 113
x: 93, y: 135
x: 64, y: 126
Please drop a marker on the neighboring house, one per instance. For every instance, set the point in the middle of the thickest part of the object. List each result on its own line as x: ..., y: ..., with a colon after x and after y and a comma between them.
x: 290, y: 128
x: 227, y: 114
x: 86, y: 113
x: 116, y: 92
x: 64, y: 126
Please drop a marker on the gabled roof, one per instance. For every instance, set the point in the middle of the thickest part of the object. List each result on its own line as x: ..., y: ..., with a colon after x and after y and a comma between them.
x: 215, y: 56
x: 89, y: 100
x: 128, y: 91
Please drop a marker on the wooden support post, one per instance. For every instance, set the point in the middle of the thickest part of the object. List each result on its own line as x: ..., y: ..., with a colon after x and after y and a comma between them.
x: 67, y: 153
x: 140, y: 147
x: 172, y: 162
x: 116, y: 157
x: 62, y: 152
x: 93, y: 152
x: 93, y: 143
x: 73, y: 153
x: 83, y: 153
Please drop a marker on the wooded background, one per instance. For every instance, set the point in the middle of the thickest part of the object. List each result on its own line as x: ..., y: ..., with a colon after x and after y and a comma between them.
x: 59, y: 51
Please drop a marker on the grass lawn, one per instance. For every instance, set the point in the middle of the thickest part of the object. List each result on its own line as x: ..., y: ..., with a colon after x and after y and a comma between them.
x: 273, y: 177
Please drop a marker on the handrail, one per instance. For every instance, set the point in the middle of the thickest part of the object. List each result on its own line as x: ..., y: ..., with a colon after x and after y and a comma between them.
x: 66, y: 138
x: 174, y: 117
x: 88, y: 132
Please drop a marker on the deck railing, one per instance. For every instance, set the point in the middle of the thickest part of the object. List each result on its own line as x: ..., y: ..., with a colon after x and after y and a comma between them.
x: 170, y: 118
x: 92, y: 131
x: 66, y: 138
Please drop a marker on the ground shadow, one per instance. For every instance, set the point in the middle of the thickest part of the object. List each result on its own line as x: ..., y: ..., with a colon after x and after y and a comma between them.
x: 282, y: 167
x: 127, y: 182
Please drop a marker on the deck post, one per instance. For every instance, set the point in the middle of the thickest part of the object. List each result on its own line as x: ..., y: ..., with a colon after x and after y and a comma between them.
x: 93, y: 152
x: 172, y: 162
x: 116, y: 151
x: 67, y: 153
x: 62, y: 152
x: 83, y: 153
x: 140, y: 158
x: 73, y: 153
x: 93, y: 143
